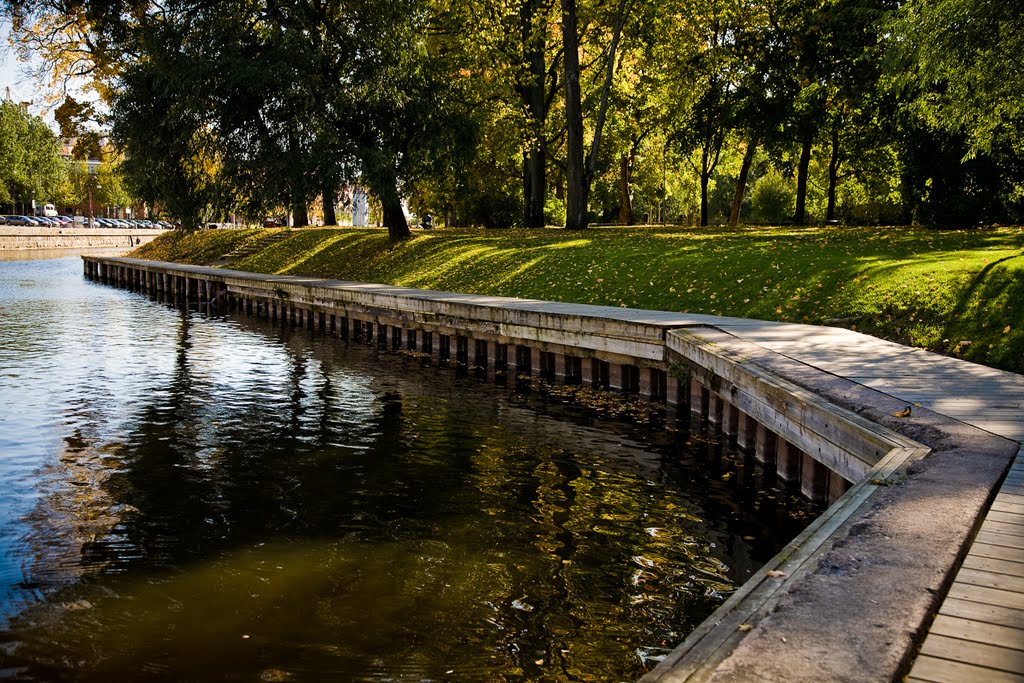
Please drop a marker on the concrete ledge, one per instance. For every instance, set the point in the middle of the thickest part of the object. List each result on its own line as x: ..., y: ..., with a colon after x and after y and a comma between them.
x: 72, y: 237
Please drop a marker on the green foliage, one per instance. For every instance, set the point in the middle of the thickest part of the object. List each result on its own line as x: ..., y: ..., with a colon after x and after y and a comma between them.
x: 959, y: 292
x: 30, y: 162
x: 882, y: 111
x: 554, y: 211
x: 772, y: 198
x: 960, y: 58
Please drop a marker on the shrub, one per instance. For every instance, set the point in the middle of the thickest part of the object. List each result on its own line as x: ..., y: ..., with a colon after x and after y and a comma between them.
x: 773, y: 198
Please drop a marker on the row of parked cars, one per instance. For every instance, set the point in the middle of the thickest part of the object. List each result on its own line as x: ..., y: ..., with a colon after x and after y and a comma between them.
x: 129, y: 223
x: 60, y: 221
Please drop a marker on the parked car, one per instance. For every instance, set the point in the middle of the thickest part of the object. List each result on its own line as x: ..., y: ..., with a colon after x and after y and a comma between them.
x: 20, y: 220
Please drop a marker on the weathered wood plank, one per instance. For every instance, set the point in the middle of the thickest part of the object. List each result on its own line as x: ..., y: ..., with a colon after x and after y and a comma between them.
x: 979, y: 654
x: 997, y: 552
x: 994, y: 527
x: 1005, y: 540
x: 936, y: 670
x: 1008, y: 505
x: 1007, y: 499
x: 1003, y: 582
x: 978, y: 632
x: 990, y: 596
x: 1006, y: 517
x: 988, y: 564
x: 991, y: 614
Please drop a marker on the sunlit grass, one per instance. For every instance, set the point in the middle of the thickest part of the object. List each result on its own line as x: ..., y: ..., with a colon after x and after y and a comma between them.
x: 932, y: 289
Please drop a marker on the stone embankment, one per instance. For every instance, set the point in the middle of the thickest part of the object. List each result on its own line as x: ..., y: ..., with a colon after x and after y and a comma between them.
x: 73, y: 237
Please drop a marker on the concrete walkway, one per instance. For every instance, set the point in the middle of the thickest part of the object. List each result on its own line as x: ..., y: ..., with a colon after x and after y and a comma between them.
x: 978, y: 634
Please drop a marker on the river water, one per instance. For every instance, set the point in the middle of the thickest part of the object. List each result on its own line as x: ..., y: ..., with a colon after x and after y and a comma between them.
x: 188, y: 497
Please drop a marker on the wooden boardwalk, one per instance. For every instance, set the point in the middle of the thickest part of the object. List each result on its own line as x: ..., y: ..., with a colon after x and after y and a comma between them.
x: 978, y: 634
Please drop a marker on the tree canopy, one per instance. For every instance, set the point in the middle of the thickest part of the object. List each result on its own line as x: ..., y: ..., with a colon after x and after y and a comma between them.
x: 531, y: 112
x: 31, y: 168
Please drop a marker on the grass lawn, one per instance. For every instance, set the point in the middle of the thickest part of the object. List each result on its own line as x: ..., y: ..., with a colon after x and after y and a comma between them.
x: 959, y: 292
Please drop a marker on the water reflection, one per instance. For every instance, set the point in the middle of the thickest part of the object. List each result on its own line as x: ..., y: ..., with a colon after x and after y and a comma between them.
x: 202, y: 498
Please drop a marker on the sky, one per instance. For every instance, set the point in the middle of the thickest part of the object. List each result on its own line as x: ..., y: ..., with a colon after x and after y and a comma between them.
x: 9, y: 68
x: 24, y: 88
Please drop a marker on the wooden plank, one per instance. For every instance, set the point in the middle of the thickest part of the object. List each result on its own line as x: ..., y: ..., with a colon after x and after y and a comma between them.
x: 978, y: 632
x: 1003, y: 582
x: 1007, y: 517
x: 988, y: 564
x: 997, y: 552
x: 1005, y: 540
x: 936, y: 670
x: 976, y: 611
x: 1007, y: 504
x: 990, y: 596
x: 978, y: 654
x: 993, y: 527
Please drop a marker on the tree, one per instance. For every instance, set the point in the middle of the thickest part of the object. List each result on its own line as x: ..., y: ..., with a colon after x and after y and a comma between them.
x: 31, y: 168
x: 961, y: 62
x: 581, y: 164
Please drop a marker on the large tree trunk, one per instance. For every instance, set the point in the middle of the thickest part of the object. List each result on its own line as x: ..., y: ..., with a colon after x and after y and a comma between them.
x: 385, y: 186
x: 704, y: 178
x: 579, y: 168
x: 741, y: 182
x: 535, y: 186
x: 625, y: 180
x: 534, y: 178
x: 833, y: 176
x: 706, y: 168
x: 800, y: 215
x: 394, y: 218
x: 300, y: 212
x: 575, y: 170
x: 329, y: 195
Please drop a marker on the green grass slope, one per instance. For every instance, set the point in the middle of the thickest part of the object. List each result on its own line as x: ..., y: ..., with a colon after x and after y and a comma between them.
x: 959, y: 292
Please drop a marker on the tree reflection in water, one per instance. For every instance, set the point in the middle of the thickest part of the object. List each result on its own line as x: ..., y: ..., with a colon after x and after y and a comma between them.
x: 288, y: 507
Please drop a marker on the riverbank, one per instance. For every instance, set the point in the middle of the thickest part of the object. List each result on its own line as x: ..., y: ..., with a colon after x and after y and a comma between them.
x: 957, y: 292
x: 810, y: 402
x: 72, y: 237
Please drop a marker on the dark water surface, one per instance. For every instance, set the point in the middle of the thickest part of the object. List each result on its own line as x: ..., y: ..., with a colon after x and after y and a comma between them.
x: 185, y: 497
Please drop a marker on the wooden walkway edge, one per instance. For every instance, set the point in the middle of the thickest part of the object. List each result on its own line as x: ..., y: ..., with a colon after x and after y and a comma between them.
x: 978, y: 634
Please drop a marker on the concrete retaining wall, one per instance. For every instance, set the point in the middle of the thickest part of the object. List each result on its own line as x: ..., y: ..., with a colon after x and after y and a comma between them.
x: 72, y: 237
